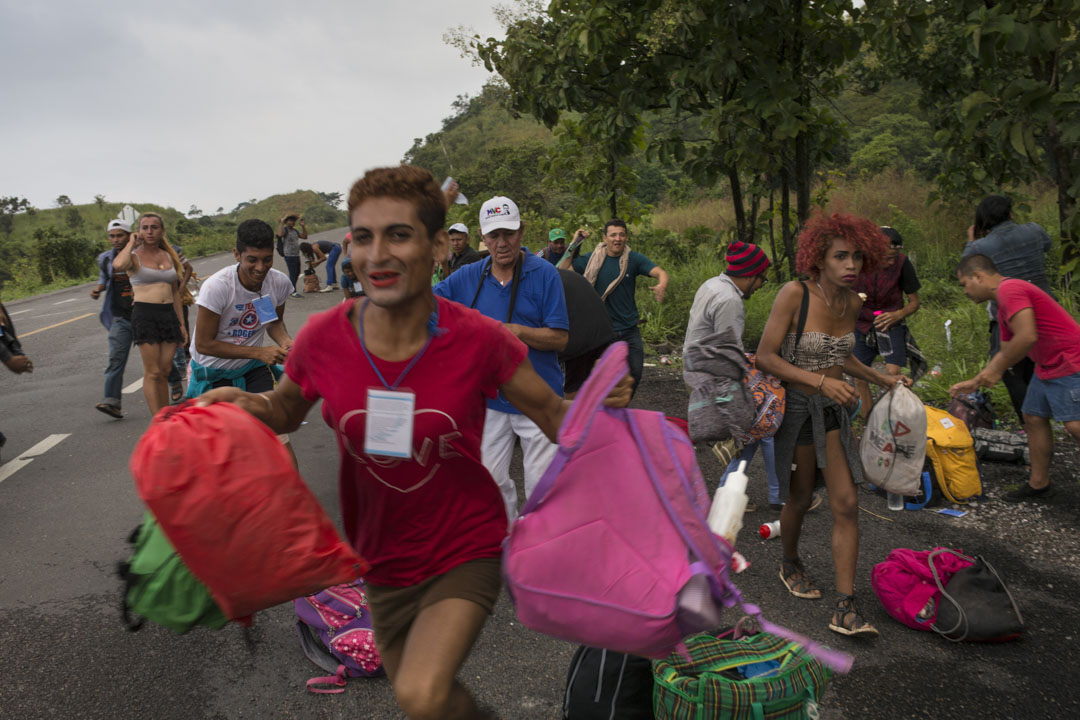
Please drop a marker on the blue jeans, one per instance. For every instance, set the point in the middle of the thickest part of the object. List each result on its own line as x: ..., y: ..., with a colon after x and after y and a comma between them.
x: 331, y: 265
x: 636, y: 353
x: 770, y: 466
x: 292, y: 262
x: 120, y: 340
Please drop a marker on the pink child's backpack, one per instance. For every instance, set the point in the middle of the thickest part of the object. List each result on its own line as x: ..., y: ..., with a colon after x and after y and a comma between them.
x: 905, y: 585
x: 612, y: 549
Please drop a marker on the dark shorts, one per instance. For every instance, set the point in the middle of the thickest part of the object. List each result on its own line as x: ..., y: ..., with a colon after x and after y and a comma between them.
x: 832, y: 422
x: 256, y: 381
x: 155, y: 323
x: 393, y: 609
x: 866, y: 354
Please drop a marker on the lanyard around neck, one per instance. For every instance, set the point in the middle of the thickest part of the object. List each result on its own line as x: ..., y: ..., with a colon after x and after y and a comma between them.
x: 432, y: 326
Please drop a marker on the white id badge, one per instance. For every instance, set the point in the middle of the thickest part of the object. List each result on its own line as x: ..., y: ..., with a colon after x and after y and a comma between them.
x: 264, y: 306
x: 389, y: 429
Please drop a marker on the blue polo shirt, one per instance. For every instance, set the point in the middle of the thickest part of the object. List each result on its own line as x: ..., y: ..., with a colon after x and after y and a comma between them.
x: 540, y: 304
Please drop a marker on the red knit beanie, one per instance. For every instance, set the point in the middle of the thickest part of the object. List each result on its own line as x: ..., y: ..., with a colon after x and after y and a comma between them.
x: 746, y: 260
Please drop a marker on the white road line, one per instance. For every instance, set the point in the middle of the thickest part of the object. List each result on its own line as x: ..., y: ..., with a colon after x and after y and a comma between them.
x: 11, y: 467
x: 19, y: 312
x: 133, y: 387
x: 65, y: 301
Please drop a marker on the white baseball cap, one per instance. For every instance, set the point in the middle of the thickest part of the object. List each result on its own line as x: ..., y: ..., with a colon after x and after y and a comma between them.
x: 118, y: 225
x: 499, y: 213
x: 459, y: 227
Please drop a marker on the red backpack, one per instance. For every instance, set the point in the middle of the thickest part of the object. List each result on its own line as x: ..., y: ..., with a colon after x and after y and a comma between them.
x: 229, y: 500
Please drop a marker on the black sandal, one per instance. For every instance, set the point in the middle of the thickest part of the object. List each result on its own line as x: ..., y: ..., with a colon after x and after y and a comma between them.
x: 847, y: 620
x: 797, y: 580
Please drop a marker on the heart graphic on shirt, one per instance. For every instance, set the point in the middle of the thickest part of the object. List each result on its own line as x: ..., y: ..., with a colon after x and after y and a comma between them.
x: 436, y: 446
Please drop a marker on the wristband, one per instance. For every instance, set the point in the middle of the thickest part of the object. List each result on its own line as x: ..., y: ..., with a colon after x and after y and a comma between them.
x: 820, y: 383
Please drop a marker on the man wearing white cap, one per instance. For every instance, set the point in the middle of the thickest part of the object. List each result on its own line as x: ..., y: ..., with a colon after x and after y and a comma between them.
x: 115, y: 315
x: 524, y: 292
x: 461, y: 253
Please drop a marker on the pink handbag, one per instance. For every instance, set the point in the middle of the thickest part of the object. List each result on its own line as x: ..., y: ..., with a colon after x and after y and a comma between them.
x: 612, y: 549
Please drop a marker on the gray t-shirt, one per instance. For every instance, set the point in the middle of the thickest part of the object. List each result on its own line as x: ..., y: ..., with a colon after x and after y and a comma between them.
x: 718, y: 305
x: 291, y: 242
x: 1017, y: 251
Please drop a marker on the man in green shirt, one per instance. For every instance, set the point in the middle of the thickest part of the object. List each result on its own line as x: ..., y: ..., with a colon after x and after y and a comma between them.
x: 612, y: 268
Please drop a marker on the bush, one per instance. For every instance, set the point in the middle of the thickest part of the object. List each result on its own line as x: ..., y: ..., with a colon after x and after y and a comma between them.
x: 63, y: 254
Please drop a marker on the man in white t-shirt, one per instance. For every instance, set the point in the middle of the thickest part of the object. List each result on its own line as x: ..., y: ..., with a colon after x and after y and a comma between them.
x: 238, y: 307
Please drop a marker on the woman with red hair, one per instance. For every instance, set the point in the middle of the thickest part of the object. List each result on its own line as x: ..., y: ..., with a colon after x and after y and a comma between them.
x: 807, y: 343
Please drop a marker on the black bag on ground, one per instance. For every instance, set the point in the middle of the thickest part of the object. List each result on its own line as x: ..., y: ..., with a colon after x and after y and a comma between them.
x: 974, y: 409
x: 1000, y: 446
x: 608, y: 685
x: 976, y: 605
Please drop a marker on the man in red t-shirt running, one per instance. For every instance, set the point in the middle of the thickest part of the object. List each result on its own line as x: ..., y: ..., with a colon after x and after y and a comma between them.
x: 1032, y: 324
x: 403, y: 377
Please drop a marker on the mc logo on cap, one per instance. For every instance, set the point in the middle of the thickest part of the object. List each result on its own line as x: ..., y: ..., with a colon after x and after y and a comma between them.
x: 499, y: 213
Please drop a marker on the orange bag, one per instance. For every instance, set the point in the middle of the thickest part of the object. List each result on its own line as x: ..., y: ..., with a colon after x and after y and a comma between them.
x: 226, y: 494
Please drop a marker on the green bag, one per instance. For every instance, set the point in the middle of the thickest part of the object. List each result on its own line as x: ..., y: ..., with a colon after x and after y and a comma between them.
x: 708, y: 686
x: 160, y: 588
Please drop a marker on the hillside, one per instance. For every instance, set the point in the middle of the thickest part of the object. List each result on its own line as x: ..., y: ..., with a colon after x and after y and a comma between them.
x: 52, y: 248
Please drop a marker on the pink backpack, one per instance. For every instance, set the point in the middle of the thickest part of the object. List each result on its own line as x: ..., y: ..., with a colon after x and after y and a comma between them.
x: 612, y: 549
x: 905, y: 585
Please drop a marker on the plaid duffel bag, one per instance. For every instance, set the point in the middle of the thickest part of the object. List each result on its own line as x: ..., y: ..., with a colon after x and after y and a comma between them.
x: 756, y: 677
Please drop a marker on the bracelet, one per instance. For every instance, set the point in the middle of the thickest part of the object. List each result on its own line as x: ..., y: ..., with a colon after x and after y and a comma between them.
x: 269, y: 403
x: 820, y: 383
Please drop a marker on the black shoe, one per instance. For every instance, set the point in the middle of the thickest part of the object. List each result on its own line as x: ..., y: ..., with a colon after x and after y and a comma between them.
x: 1025, y: 492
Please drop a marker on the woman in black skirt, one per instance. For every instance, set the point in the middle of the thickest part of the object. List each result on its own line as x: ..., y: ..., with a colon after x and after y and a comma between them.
x: 156, y: 316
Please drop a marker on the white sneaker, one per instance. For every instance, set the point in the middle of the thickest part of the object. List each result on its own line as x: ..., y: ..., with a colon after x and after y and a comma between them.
x: 295, y: 295
x: 329, y: 288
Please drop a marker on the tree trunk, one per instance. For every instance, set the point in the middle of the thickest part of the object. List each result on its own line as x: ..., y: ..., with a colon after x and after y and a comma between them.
x: 611, y: 178
x: 1061, y: 164
x: 802, y: 149
x: 777, y: 275
x: 785, y: 218
x: 755, y: 205
x: 737, y: 202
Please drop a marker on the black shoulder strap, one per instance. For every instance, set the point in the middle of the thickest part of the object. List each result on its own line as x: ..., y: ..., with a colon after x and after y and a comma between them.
x: 515, y: 284
x: 804, y: 308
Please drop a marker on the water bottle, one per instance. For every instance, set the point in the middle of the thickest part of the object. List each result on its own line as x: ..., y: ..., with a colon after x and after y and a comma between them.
x: 884, y: 342
x: 896, y: 502
x: 729, y: 504
x: 769, y: 530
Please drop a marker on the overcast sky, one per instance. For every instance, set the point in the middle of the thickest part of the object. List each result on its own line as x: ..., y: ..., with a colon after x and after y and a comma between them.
x: 211, y: 102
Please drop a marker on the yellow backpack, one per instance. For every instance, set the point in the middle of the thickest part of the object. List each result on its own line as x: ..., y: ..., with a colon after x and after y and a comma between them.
x: 951, y: 453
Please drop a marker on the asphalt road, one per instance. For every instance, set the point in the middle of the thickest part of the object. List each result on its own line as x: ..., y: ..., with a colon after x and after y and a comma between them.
x: 67, y: 503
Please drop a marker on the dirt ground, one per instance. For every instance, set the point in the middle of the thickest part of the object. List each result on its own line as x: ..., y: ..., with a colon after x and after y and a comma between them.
x: 905, y: 673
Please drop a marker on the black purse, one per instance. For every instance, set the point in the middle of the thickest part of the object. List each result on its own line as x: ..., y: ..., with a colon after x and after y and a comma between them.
x: 976, y: 605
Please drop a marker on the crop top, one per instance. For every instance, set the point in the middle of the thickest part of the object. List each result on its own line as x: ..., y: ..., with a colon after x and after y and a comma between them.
x: 818, y: 350
x: 148, y: 275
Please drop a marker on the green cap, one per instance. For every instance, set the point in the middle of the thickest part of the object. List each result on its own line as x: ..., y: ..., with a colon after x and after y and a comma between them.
x: 556, y: 234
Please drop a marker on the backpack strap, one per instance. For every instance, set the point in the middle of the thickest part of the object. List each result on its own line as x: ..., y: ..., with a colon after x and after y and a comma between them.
x: 800, y: 326
x: 329, y: 684
x: 515, y: 284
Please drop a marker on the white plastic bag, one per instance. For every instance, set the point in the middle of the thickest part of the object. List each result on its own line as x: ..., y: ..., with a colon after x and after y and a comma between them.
x: 894, y: 443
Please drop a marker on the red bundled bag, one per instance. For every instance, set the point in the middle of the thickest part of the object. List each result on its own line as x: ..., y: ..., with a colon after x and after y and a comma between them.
x: 227, y: 496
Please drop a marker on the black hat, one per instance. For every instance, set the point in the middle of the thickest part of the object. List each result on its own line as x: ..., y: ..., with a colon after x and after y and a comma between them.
x: 894, y: 236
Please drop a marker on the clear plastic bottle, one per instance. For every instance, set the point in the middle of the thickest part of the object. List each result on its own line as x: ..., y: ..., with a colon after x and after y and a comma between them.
x: 884, y: 342
x: 729, y: 504
x: 769, y: 530
x: 896, y: 502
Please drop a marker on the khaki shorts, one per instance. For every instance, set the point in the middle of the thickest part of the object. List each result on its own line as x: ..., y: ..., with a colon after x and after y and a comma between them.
x: 393, y: 609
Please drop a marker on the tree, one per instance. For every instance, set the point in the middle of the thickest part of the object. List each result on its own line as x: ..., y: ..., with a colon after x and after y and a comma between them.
x: 100, y: 200
x: 333, y: 199
x: 193, y: 211
x: 63, y: 201
x: 72, y: 218
x: 9, y: 207
x: 1002, y: 83
x: 219, y: 211
x: 737, y: 90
